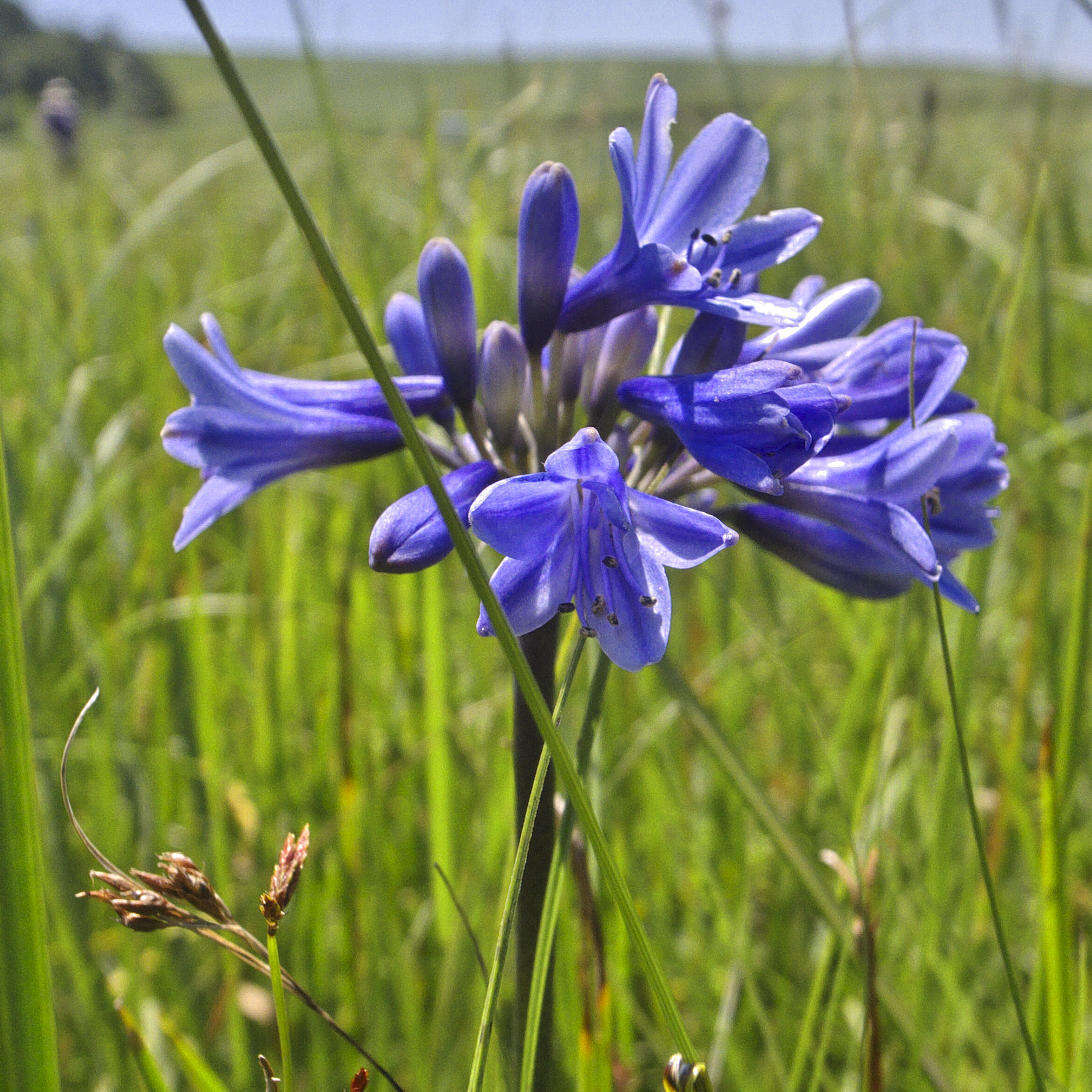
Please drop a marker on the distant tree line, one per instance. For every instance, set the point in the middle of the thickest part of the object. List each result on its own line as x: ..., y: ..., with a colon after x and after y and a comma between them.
x: 102, y: 70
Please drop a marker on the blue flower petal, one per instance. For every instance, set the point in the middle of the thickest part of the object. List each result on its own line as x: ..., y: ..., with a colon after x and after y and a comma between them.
x: 824, y: 552
x: 447, y: 298
x: 517, y: 515
x: 675, y: 535
x: 584, y: 456
x: 532, y: 591
x: 711, y: 184
x: 407, y: 331
x: 886, y: 527
x: 762, y: 241
x: 654, y: 157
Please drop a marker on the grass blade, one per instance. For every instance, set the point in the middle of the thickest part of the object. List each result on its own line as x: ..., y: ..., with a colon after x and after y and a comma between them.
x: 28, y: 1037
x: 563, y: 760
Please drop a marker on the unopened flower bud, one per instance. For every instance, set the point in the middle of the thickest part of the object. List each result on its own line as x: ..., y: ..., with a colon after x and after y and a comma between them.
x: 504, y: 379
x: 447, y: 299
x: 549, y: 219
x: 626, y: 347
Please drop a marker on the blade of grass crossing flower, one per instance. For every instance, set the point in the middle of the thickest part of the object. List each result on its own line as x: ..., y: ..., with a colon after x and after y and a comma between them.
x: 555, y: 883
x: 481, y: 1048
x: 28, y: 1036
x: 563, y: 760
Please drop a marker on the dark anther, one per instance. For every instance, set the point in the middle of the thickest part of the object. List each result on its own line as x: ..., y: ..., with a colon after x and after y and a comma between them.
x: 599, y: 606
x: 648, y: 601
x: 735, y: 278
x: 587, y: 631
x: 566, y: 608
x: 714, y: 278
x: 709, y: 240
x: 696, y: 234
x: 932, y: 501
x: 610, y: 561
x: 726, y: 238
x: 612, y: 618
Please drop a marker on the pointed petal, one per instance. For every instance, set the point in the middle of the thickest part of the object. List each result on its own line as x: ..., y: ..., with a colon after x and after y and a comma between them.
x: 956, y: 592
x: 620, y: 146
x: 654, y: 155
x: 762, y: 241
x: 584, y: 456
x: 711, y: 184
x: 531, y: 591
x: 517, y: 515
x: 886, y: 527
x: 674, y: 535
x: 824, y: 552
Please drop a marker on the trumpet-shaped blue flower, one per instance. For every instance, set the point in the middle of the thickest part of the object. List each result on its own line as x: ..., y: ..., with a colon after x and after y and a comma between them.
x: 854, y: 520
x: 245, y: 429
x: 752, y: 424
x: 576, y: 537
x: 681, y: 241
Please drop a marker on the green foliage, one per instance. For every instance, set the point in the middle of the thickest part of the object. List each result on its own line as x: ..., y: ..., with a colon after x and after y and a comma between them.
x: 269, y: 678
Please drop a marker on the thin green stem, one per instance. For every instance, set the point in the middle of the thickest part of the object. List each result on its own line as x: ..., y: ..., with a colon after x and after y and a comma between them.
x: 275, y: 981
x: 980, y: 845
x: 464, y: 546
x: 964, y: 762
x: 515, y: 879
x: 555, y: 882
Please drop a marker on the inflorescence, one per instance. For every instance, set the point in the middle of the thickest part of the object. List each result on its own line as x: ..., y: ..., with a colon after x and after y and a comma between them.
x: 589, y: 461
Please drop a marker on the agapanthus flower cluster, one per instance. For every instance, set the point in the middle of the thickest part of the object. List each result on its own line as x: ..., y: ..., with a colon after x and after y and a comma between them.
x: 589, y: 460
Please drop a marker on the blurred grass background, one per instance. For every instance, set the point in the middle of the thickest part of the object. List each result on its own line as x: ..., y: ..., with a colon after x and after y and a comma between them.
x: 266, y: 677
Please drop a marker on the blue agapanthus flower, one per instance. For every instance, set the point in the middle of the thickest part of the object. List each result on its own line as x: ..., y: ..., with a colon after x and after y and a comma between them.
x: 681, y: 240
x: 809, y: 420
x: 245, y: 429
x: 576, y: 537
x: 856, y: 521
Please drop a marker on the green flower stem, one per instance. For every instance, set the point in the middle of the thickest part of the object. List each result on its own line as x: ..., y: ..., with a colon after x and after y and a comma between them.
x: 555, y: 882
x: 282, y: 1013
x: 540, y: 648
x: 980, y: 846
x: 562, y: 758
x: 515, y: 880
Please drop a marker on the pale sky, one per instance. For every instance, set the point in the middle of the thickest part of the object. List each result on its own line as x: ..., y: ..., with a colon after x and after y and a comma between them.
x: 1055, y: 35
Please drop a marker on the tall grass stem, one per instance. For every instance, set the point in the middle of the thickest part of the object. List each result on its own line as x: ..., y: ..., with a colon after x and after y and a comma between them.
x: 464, y: 547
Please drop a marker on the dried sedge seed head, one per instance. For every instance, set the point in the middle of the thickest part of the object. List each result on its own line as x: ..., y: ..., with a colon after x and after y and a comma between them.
x: 182, y: 879
x: 285, y: 876
x: 137, y: 908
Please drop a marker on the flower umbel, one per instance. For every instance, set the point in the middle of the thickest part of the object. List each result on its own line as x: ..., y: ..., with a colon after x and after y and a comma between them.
x: 575, y: 536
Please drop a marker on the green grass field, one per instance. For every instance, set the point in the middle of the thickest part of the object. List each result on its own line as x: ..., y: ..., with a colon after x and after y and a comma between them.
x: 266, y: 677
